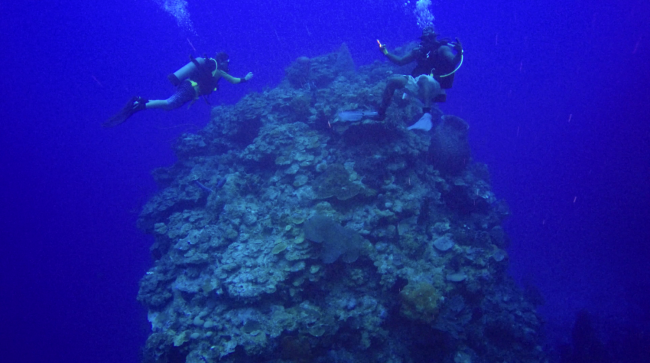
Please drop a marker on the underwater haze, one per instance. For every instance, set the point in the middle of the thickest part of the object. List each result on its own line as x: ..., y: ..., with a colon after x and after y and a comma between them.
x: 262, y: 227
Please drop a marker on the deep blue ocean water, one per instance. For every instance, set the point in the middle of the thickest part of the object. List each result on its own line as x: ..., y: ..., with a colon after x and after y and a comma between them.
x: 557, y: 94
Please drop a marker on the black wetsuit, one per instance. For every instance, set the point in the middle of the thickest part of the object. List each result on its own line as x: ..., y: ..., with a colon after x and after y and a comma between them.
x: 204, y: 77
x: 429, y: 59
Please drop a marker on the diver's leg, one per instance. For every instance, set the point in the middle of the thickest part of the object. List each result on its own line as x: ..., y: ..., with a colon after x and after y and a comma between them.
x: 393, y: 83
x: 161, y: 104
x: 441, y: 96
x: 175, y: 101
x: 429, y: 91
x: 184, y: 93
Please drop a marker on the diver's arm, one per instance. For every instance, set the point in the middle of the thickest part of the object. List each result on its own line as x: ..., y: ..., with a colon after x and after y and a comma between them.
x: 446, y: 52
x: 235, y: 80
x: 400, y: 61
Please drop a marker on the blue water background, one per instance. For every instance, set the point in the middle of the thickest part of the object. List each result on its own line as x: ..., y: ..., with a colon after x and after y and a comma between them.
x: 556, y: 92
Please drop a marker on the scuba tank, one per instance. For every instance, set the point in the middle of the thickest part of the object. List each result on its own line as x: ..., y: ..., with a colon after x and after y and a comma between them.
x: 186, y: 71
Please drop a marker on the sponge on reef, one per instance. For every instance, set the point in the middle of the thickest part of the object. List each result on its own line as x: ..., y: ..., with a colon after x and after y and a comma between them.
x: 449, y: 146
x: 335, y: 182
x: 337, y: 240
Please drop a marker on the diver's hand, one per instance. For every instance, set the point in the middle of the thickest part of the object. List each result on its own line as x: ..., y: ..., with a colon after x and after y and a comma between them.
x: 248, y: 76
x: 458, y: 46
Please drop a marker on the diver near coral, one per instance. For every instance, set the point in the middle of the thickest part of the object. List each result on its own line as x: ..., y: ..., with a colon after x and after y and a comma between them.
x: 199, y: 78
x: 434, y: 72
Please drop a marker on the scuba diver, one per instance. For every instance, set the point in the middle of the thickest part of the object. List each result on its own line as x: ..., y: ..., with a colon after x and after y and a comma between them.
x: 432, y: 75
x: 199, y: 78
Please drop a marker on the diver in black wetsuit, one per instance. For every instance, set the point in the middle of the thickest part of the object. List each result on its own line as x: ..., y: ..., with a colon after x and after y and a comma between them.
x: 198, y: 78
x: 433, y: 73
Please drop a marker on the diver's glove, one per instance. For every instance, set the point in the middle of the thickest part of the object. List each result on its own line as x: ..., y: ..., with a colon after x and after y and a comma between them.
x: 246, y: 78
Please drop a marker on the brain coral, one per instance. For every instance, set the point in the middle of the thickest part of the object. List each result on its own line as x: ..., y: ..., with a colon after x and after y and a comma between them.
x: 419, y: 301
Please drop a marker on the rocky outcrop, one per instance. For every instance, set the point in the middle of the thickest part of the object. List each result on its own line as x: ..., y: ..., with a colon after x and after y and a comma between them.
x: 240, y: 273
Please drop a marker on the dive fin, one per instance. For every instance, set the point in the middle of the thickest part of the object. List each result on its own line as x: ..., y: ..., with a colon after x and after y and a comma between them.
x: 351, y: 116
x: 424, y: 123
x: 115, y: 120
x: 134, y: 105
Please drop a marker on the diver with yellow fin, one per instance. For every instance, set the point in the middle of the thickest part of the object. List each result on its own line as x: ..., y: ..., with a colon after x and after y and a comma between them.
x: 199, y: 78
